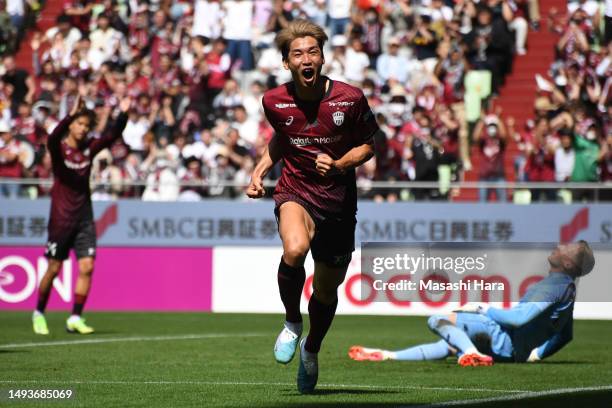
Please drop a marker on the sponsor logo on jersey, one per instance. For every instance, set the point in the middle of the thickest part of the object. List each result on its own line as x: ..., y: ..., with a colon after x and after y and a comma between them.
x: 306, y: 141
x: 77, y: 166
x: 285, y: 105
x: 341, y: 103
x: 338, y: 118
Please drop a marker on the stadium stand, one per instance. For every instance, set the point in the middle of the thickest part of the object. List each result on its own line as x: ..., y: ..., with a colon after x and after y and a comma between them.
x: 447, y: 80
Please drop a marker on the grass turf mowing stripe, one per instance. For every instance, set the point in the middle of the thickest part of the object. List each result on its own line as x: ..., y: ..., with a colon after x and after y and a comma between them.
x: 128, y: 339
x: 248, y: 383
x: 517, y: 396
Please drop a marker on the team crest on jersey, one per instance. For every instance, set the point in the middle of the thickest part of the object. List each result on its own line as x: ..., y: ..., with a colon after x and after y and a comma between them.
x: 289, y: 121
x: 338, y: 118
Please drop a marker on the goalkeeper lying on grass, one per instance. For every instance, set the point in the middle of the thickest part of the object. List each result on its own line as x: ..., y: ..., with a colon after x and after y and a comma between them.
x: 537, y: 327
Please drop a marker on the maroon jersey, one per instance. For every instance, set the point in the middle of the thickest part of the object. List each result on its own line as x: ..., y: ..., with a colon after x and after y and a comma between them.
x: 334, y: 125
x: 70, y: 194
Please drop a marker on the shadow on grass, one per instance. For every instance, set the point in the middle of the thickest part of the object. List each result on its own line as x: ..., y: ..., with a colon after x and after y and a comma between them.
x: 13, y: 351
x: 336, y: 391
x: 340, y: 404
x: 597, y: 399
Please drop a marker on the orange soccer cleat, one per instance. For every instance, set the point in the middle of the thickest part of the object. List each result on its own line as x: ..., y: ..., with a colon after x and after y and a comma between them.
x: 475, y: 360
x: 359, y: 353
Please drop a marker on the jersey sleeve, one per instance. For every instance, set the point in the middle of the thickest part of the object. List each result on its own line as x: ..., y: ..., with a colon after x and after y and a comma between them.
x: 364, y: 122
x: 54, y: 141
x: 109, y: 138
x: 268, y: 112
x: 519, y: 315
x: 558, y: 341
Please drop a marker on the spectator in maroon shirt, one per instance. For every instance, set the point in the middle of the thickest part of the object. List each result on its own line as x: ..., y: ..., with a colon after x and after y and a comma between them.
x: 10, y: 166
x: 490, y: 134
x: 540, y: 165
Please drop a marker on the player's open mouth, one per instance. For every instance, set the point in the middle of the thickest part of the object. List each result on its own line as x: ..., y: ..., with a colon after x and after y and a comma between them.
x: 308, y: 73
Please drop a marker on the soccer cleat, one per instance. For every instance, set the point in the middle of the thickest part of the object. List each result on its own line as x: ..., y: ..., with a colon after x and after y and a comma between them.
x: 308, y: 371
x: 285, y: 346
x: 76, y: 324
x: 39, y: 323
x: 475, y: 360
x: 359, y: 353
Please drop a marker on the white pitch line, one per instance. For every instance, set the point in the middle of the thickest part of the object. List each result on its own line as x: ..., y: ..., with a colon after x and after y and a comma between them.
x: 247, y: 383
x: 516, y: 397
x: 129, y: 339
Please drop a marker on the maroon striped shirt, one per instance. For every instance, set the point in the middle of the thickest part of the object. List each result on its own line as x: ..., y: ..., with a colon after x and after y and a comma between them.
x: 333, y: 125
x: 70, y: 195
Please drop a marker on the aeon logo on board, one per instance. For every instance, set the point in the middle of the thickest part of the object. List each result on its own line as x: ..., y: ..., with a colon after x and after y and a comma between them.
x: 19, y: 278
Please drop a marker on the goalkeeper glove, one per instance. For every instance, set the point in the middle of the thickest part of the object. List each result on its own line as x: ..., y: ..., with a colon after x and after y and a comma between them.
x: 480, y: 308
x: 533, y: 357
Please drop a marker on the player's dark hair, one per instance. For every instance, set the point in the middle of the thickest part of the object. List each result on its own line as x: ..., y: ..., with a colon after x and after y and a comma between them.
x: 298, y: 29
x: 585, y: 261
x: 89, y: 114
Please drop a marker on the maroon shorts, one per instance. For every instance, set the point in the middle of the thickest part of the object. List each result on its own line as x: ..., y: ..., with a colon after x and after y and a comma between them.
x: 334, y: 238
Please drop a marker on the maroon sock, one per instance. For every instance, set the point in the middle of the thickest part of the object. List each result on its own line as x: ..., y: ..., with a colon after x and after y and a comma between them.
x: 290, y: 285
x: 79, y: 302
x: 43, y: 298
x: 321, y: 317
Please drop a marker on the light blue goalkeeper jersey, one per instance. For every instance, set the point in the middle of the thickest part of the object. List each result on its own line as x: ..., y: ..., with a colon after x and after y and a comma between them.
x: 543, y: 318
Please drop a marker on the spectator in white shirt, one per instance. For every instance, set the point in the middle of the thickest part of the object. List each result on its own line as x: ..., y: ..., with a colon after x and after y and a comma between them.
x: 391, y: 66
x: 105, y: 42
x: 564, y: 158
x: 237, y: 30
x: 336, y: 63
x: 206, y: 149
x: 339, y: 12
x: 207, y: 17
x: 357, y: 62
x: 247, y: 127
x: 71, y: 35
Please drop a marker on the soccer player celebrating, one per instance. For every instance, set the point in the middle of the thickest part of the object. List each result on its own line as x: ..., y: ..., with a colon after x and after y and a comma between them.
x: 71, y: 223
x: 324, y: 130
x: 537, y: 327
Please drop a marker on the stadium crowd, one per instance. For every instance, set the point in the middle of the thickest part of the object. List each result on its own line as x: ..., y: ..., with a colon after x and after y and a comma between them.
x: 196, y: 71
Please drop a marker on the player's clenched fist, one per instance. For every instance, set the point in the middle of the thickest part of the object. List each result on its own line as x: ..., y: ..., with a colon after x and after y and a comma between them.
x: 325, y: 165
x: 255, y: 188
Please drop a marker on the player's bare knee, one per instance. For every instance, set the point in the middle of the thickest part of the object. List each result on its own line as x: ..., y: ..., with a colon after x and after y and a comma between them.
x: 86, y: 267
x: 54, y: 267
x: 295, y: 252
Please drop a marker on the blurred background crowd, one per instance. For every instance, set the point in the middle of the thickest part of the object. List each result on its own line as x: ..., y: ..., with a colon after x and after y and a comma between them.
x: 432, y: 71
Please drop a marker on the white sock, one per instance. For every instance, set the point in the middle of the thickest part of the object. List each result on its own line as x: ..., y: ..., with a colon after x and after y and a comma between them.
x: 471, y: 350
x: 37, y: 313
x: 74, y: 317
x: 389, y: 355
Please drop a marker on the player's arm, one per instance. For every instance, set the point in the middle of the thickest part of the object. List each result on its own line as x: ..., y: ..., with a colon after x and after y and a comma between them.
x: 554, y: 344
x: 270, y: 157
x: 519, y: 315
x: 352, y: 159
x: 117, y: 130
x: 54, y: 141
x: 365, y: 130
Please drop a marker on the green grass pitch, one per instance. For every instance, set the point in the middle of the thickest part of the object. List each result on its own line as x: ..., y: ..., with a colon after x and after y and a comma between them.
x: 225, y: 360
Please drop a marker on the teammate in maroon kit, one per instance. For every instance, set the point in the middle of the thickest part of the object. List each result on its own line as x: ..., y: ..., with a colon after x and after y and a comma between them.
x: 324, y: 130
x: 71, y: 223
